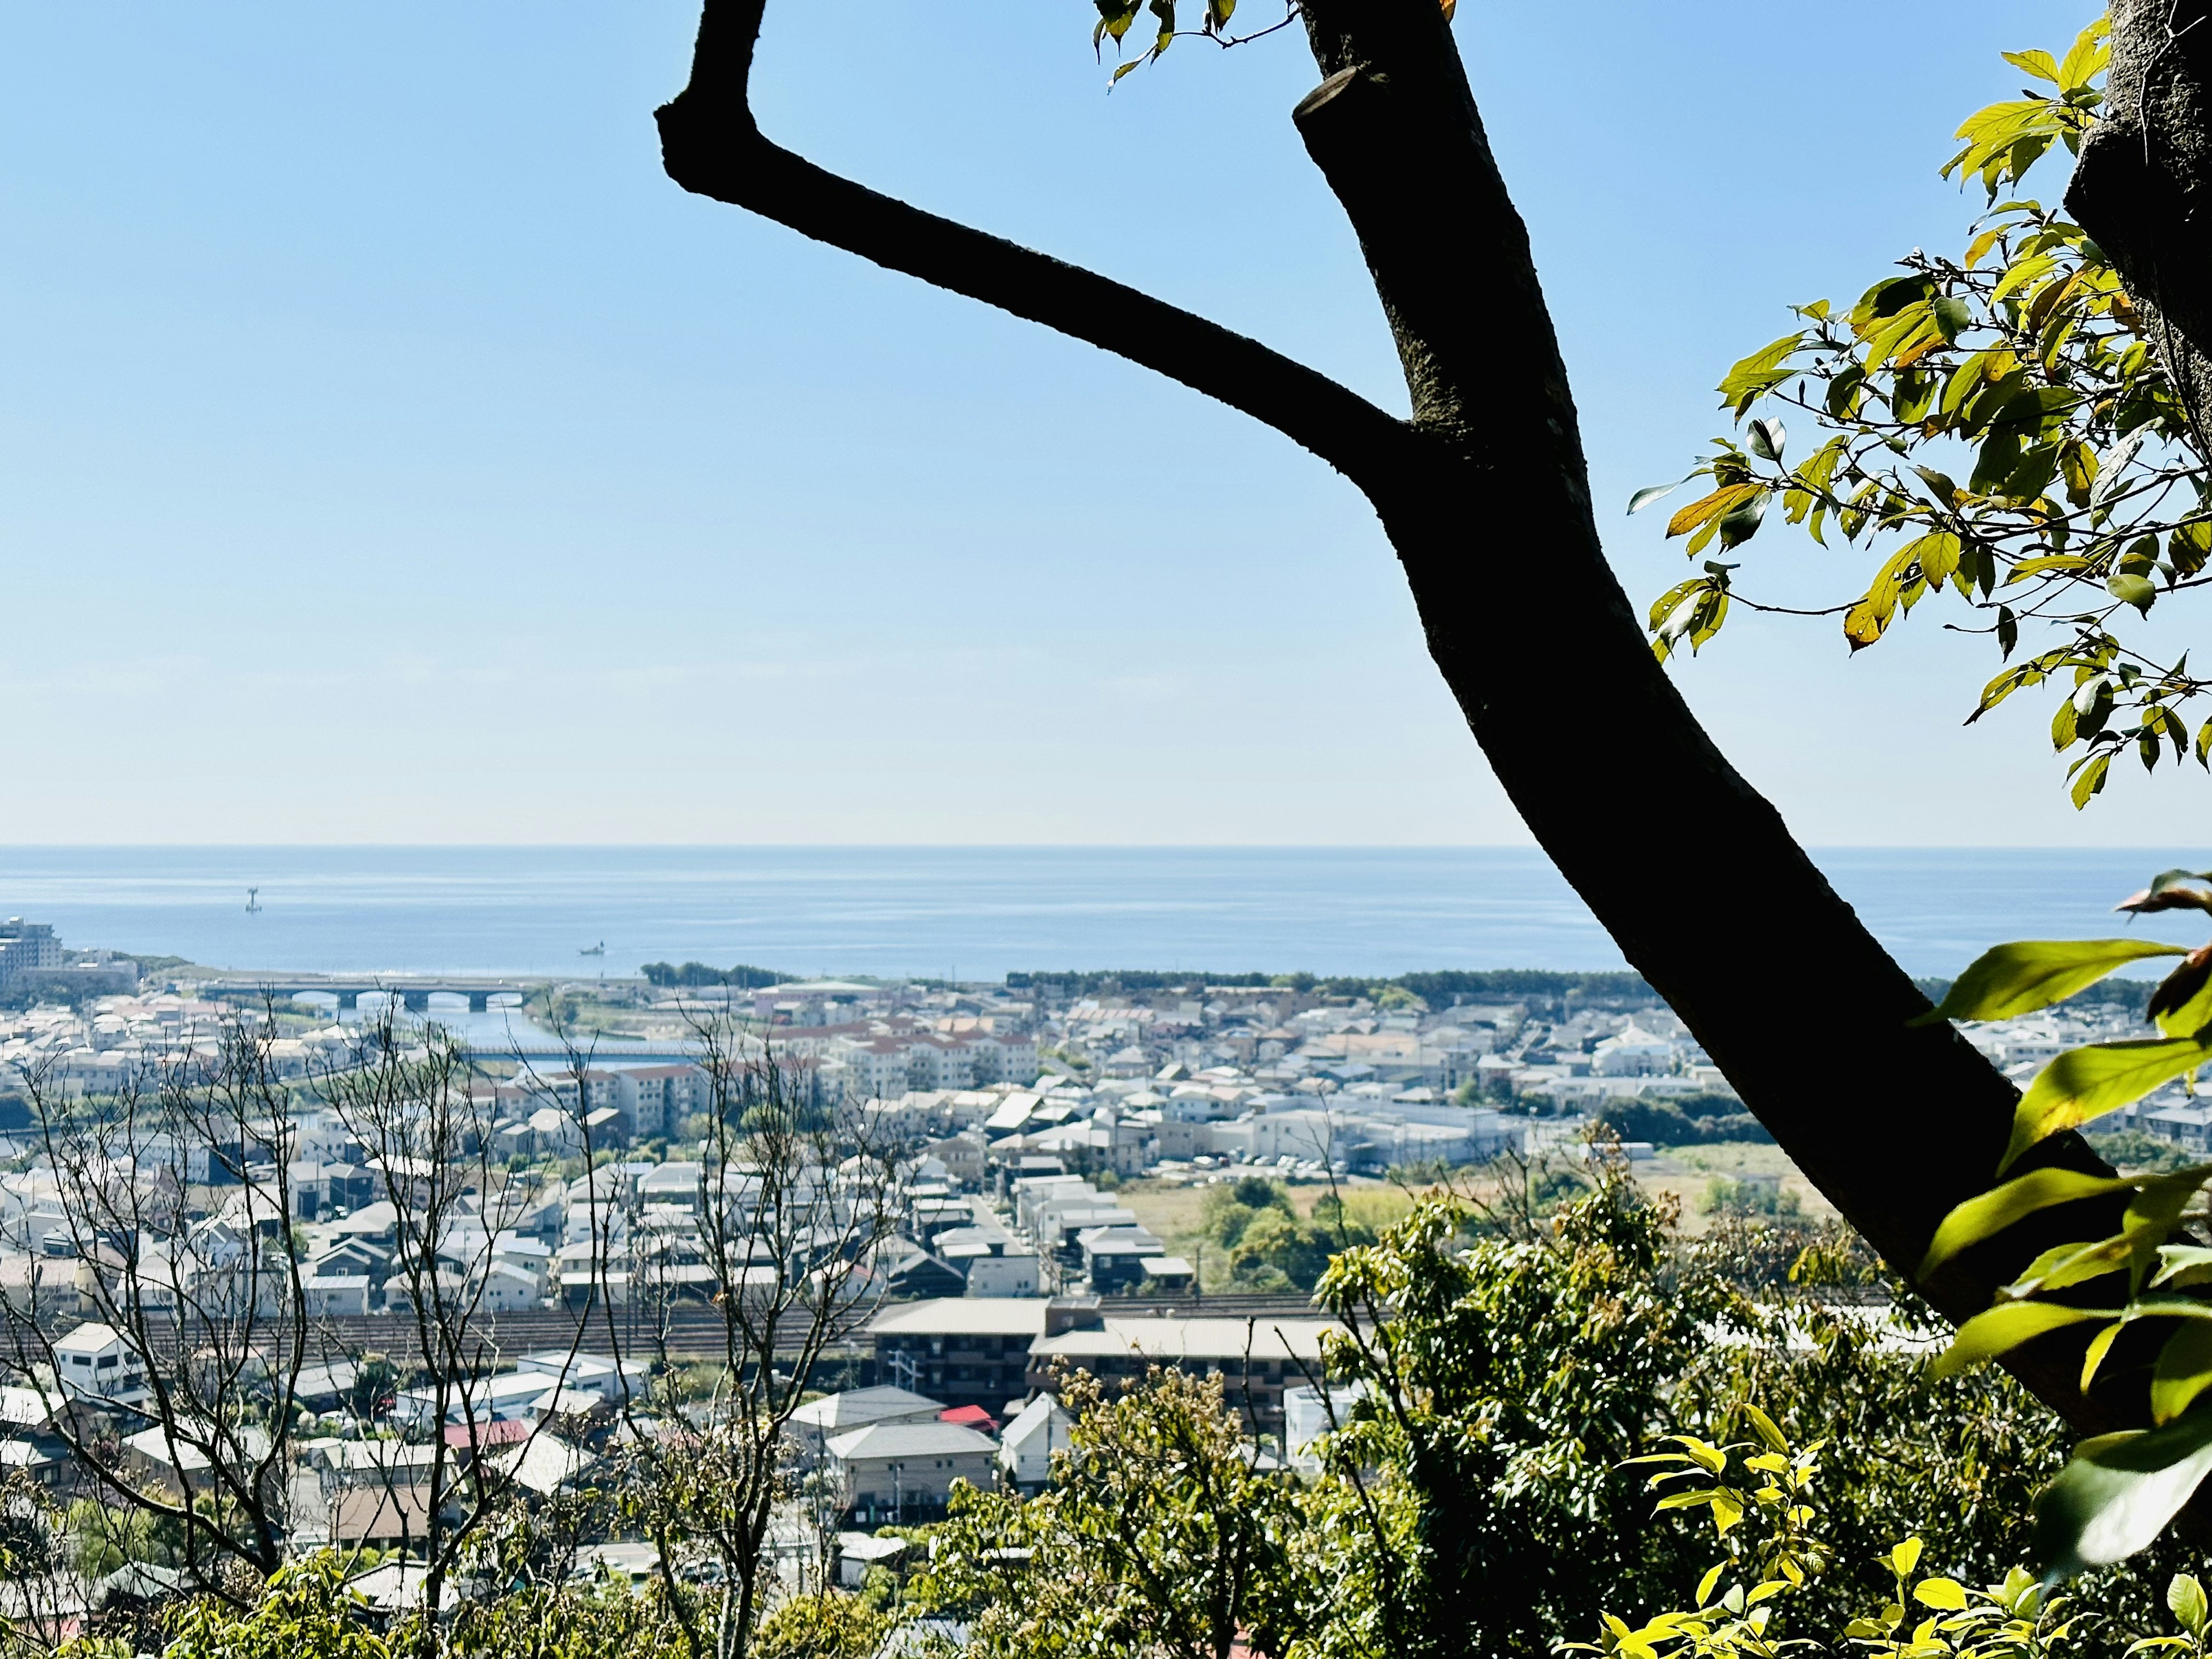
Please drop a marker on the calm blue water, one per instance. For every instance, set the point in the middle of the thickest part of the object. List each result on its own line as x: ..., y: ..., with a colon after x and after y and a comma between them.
x: 974, y: 913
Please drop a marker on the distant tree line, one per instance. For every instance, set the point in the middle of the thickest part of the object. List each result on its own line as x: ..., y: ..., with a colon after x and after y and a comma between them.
x: 698, y: 973
x: 1692, y: 1121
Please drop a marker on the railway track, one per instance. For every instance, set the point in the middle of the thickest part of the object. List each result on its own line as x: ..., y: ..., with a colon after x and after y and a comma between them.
x: 692, y: 1332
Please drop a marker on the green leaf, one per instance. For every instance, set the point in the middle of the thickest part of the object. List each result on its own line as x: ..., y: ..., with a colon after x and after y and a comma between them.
x: 1945, y: 1594
x: 2181, y: 1005
x: 2185, y: 1600
x: 1997, y: 1331
x: 2063, y: 1266
x: 1651, y: 493
x: 1954, y: 317
x: 1712, y: 1577
x: 2065, y: 726
x: 1766, y: 439
x: 2014, y: 979
x: 2137, y: 591
x: 2119, y: 1492
x: 2093, y: 1356
x: 2087, y: 1083
x: 2040, y: 64
x: 2184, y: 1370
x: 2184, y: 1264
x: 1938, y: 556
x: 2153, y: 1213
x: 1741, y: 522
x: 2090, y: 780
x: 2088, y: 56
x: 1759, y: 372
x: 1115, y: 17
x: 1765, y: 1426
x: 1987, y: 1214
x: 1727, y: 1511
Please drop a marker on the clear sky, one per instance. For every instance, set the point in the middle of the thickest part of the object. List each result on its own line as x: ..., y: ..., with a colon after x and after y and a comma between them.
x: 389, y: 451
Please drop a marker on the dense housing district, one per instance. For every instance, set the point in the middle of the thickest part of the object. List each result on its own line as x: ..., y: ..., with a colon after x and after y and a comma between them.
x: 583, y: 1219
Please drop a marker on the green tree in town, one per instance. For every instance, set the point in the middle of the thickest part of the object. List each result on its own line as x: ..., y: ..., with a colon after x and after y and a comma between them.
x: 1499, y: 1381
x: 1159, y: 1534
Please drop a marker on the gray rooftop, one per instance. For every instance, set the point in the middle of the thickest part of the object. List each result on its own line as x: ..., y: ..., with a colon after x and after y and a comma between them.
x: 888, y: 1440
x: 857, y: 1407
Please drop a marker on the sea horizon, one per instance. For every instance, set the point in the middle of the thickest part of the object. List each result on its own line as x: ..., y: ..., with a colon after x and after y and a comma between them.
x: 977, y: 912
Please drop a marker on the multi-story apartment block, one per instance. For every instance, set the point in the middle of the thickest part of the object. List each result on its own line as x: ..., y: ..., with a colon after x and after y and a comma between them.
x: 657, y: 1098
x: 884, y: 1065
x: 26, y: 945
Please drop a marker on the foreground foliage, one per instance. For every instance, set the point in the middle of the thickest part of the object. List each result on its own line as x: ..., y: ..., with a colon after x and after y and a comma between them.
x: 1996, y: 425
x: 1514, y: 1362
x: 2139, y: 1282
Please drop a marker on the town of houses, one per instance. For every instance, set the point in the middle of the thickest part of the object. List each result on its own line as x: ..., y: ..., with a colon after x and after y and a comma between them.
x: 1022, y: 1109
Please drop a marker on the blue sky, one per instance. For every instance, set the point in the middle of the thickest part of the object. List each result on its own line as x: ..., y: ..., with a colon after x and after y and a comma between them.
x: 388, y: 452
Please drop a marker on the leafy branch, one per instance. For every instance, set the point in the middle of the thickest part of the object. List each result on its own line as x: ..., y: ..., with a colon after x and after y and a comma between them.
x: 1998, y: 426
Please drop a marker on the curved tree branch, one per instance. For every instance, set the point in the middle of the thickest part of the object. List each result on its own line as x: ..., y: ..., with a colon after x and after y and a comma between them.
x: 1485, y: 495
x: 712, y: 146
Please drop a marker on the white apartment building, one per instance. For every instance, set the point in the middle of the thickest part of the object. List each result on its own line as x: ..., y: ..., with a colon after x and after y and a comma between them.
x: 884, y: 1067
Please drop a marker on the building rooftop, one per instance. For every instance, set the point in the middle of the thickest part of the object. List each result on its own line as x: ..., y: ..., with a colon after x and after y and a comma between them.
x: 1226, y: 1341
x: 881, y: 1440
x: 857, y: 1407
x: 963, y: 1316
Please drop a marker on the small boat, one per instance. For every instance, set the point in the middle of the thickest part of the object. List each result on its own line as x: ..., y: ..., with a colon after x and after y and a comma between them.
x: 598, y: 949
x: 253, y: 901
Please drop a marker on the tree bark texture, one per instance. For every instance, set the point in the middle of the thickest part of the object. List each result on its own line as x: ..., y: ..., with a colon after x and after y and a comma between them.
x: 1484, y: 493
x: 2143, y: 185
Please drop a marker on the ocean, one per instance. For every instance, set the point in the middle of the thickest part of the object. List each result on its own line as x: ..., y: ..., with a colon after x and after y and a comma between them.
x: 977, y: 913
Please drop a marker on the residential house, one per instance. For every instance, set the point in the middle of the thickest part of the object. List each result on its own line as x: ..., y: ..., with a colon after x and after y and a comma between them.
x: 815, y: 1423
x: 891, y: 1471
x: 1026, y: 1445
x: 94, y: 1362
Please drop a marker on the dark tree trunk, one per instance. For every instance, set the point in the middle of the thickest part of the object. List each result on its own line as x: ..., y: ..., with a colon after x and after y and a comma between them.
x: 2143, y: 185
x: 1485, y: 495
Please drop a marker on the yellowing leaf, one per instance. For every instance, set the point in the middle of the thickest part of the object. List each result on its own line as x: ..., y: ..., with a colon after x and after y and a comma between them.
x: 1707, y: 508
x: 1864, y: 621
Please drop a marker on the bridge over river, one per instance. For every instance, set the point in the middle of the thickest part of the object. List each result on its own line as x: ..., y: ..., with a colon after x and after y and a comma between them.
x: 415, y: 989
